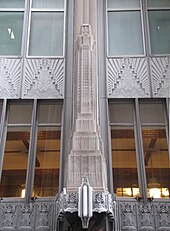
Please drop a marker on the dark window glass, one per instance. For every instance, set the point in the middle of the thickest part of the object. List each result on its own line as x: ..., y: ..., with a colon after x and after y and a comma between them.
x: 125, y: 178
x: 16, y: 150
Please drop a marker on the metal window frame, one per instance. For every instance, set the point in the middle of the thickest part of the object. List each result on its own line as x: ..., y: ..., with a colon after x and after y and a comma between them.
x: 140, y: 9
x: 138, y: 137
x: 29, y: 181
x: 33, y: 147
x: 15, y: 10
x: 148, y: 27
x: 138, y: 144
x: 29, y: 29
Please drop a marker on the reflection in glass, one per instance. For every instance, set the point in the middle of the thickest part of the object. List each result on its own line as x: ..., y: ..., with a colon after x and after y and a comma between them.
x: 124, y: 165
x: 15, y: 162
x: 11, y: 24
x: 12, y: 3
x: 46, y: 35
x: 123, y: 4
x: 157, y: 163
x: 121, y: 113
x: 152, y: 113
x: 47, y: 164
x: 48, y: 4
x: 124, y: 33
x: 20, y: 113
x: 159, y: 22
x: 49, y: 113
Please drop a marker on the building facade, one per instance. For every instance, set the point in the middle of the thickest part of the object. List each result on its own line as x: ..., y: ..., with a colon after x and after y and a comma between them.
x: 84, y: 115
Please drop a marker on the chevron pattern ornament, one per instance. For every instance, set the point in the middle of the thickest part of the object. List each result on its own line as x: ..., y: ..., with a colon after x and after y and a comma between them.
x: 44, y: 78
x: 10, y: 78
x: 127, y: 77
x: 160, y: 74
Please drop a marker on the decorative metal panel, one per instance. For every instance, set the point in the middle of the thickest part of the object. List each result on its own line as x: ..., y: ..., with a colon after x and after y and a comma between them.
x: 8, y: 216
x: 44, y: 216
x: 44, y: 78
x: 162, y: 211
x: 127, y: 77
x: 26, y: 217
x: 146, y: 216
x: 10, y: 78
x: 128, y: 216
x: 160, y: 74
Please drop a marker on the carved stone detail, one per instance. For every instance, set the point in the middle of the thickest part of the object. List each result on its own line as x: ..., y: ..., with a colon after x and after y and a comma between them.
x: 44, y: 78
x: 10, y: 78
x: 127, y: 77
x: 44, y: 216
x: 146, y: 216
x: 160, y: 74
x: 163, y: 216
x: 8, y: 216
x: 71, y: 204
x: 26, y: 217
x: 128, y: 216
x: 86, y: 157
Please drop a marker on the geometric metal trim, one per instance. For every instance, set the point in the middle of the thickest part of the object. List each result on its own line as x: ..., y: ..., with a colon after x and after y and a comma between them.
x: 160, y: 74
x: 127, y: 77
x: 44, y: 78
x: 10, y: 78
x: 128, y: 214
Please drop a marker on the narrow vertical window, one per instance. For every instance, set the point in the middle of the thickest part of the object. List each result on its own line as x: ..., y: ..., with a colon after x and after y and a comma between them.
x: 11, y: 27
x: 124, y: 28
x: 46, y: 28
x: 157, y: 163
x: 46, y: 180
x: 124, y: 164
x: 16, y: 150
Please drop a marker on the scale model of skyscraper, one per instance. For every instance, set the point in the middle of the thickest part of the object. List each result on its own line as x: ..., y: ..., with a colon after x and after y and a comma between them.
x: 86, y: 157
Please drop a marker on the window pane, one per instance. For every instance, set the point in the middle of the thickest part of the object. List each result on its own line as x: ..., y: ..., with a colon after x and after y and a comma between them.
x: 20, y: 113
x: 152, y: 113
x: 11, y: 33
x: 50, y: 113
x: 125, y: 33
x: 158, y: 3
x: 15, y: 162
x: 121, y: 113
x: 157, y: 163
x: 160, y: 31
x: 46, y: 35
x: 124, y: 165
x: 46, y: 179
x: 123, y: 4
x: 48, y: 4
x: 12, y: 3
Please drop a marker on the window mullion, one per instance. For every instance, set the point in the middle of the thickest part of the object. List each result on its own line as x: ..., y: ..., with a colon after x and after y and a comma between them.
x: 139, y: 152
x: 32, y: 153
x: 3, y: 132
